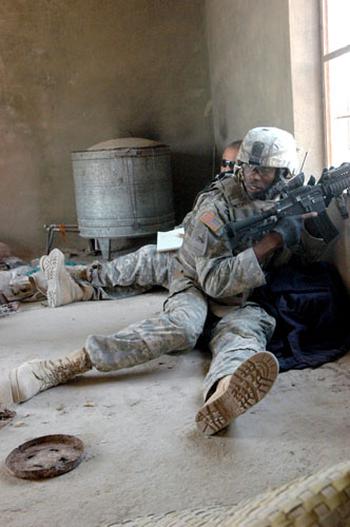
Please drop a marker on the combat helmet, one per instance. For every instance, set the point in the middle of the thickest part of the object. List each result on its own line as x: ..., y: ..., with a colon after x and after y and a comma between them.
x: 274, y: 148
x: 269, y: 147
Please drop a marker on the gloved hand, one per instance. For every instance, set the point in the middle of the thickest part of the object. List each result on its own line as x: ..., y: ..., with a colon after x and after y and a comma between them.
x: 290, y: 228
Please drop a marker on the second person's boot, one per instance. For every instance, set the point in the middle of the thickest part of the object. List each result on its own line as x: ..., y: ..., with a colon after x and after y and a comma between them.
x: 62, y: 289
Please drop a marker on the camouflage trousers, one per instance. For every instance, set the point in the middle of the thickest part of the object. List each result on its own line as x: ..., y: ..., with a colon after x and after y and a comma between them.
x: 133, y: 273
x: 126, y: 275
x: 233, y: 338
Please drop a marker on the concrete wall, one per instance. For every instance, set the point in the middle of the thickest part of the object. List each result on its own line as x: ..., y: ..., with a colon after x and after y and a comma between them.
x: 265, y: 70
x: 250, y: 65
x: 77, y: 72
x: 307, y: 81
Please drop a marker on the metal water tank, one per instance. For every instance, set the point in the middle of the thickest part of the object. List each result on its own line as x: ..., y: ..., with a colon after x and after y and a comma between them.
x: 123, y: 188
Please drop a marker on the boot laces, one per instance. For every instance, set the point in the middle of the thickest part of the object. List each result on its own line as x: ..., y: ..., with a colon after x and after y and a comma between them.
x: 50, y: 373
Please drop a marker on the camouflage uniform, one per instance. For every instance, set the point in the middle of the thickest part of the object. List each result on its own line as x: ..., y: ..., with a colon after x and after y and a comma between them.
x: 126, y: 275
x: 130, y: 274
x: 205, y: 275
x: 135, y: 272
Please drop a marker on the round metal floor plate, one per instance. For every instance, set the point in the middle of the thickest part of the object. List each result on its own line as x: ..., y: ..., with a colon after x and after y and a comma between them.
x: 45, y: 457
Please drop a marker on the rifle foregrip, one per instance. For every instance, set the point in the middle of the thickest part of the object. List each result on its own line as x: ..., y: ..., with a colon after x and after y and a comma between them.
x: 322, y: 227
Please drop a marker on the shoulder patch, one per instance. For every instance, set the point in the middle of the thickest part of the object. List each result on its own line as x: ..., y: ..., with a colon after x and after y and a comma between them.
x: 212, y: 221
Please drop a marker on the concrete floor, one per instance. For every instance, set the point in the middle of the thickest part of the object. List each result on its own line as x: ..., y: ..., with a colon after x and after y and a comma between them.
x: 143, y: 453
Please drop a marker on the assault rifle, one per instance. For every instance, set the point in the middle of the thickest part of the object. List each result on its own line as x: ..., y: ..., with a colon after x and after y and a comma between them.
x: 299, y: 199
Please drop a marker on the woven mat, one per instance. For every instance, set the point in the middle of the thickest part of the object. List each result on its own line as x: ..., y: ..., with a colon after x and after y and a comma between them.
x: 320, y: 500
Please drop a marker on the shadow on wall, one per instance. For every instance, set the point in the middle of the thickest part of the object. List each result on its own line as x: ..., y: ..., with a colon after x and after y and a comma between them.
x: 190, y: 173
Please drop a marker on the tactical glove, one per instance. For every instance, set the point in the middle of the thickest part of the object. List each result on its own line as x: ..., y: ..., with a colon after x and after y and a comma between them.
x: 290, y: 228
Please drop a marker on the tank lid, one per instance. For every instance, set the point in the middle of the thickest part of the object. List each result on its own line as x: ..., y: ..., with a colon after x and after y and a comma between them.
x: 126, y: 142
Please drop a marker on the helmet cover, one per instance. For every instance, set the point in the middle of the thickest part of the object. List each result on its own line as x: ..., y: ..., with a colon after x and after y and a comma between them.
x: 269, y: 147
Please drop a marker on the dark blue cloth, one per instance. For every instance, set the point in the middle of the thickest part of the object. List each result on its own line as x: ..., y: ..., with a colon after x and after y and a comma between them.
x: 311, y: 308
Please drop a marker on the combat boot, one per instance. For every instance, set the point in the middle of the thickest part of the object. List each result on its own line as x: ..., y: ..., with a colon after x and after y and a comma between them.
x: 31, y: 288
x: 62, y: 289
x: 236, y: 393
x: 22, y: 383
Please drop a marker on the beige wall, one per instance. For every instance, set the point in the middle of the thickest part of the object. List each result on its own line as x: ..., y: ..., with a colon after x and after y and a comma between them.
x: 77, y: 72
x: 249, y: 54
x: 265, y: 70
x: 307, y: 81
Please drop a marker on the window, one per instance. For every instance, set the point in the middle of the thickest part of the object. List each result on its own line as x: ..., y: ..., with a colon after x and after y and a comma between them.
x: 336, y: 71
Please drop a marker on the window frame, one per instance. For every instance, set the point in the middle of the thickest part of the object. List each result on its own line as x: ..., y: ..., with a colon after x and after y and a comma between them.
x: 326, y: 57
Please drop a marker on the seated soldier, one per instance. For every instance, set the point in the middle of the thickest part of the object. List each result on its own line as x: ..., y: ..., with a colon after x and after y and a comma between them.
x: 206, y: 277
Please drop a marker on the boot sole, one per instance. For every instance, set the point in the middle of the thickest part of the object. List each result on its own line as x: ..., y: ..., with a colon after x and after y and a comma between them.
x: 51, y: 267
x: 248, y: 385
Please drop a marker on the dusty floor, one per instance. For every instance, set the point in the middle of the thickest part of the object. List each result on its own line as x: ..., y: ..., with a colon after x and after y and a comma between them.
x: 143, y: 453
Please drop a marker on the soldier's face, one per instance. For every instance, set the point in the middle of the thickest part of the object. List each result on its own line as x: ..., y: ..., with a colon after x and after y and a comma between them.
x: 229, y: 156
x: 257, y: 180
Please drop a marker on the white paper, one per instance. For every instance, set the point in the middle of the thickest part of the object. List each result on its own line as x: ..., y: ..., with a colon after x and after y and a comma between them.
x: 170, y: 240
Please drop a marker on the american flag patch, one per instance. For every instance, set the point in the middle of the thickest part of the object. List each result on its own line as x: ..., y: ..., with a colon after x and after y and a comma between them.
x: 211, y: 221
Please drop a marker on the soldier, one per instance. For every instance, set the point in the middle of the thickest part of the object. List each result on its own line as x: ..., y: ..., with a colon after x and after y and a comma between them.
x: 206, y: 278
x: 131, y: 274
x: 229, y: 156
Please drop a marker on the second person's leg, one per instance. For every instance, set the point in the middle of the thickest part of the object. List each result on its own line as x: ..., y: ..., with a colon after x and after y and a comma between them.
x: 126, y: 275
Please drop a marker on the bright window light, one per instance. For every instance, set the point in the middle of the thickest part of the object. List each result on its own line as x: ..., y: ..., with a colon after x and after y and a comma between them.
x: 336, y: 59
